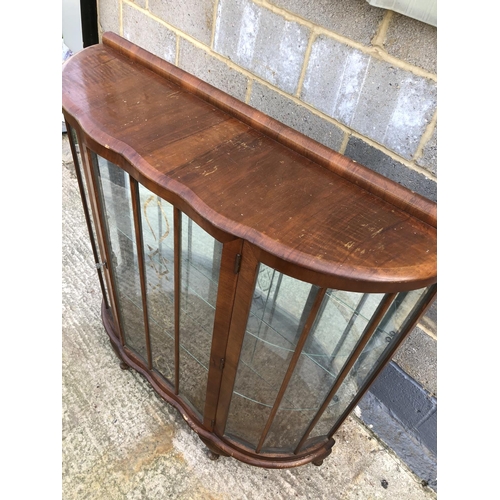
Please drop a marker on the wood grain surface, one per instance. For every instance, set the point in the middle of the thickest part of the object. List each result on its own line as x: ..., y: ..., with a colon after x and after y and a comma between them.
x: 247, y: 175
x: 268, y: 194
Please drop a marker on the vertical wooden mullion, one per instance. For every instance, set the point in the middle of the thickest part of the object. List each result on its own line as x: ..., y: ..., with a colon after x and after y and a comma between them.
x: 407, y: 326
x: 134, y: 191
x: 241, y: 309
x: 293, y: 362
x: 227, y: 282
x: 86, y: 212
x: 102, y: 238
x: 177, y: 292
x: 365, y: 337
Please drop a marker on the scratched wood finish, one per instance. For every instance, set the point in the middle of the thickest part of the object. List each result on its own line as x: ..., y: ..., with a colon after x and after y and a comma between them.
x: 332, y: 220
x: 266, y: 192
x: 373, y: 182
x: 223, y: 312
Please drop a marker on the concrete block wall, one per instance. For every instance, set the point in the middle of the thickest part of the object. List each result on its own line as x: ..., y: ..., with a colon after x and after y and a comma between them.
x: 359, y: 79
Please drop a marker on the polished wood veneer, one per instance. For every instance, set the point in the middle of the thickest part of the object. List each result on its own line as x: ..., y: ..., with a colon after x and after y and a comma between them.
x: 269, y: 194
x: 241, y: 179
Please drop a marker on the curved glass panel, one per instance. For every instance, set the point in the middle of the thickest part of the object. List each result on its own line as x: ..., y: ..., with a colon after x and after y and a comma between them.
x: 158, y: 241
x: 86, y: 206
x: 199, y: 266
x: 199, y: 270
x: 280, y: 307
x: 287, y: 371
x: 114, y: 191
x: 339, y: 324
x: 382, y: 340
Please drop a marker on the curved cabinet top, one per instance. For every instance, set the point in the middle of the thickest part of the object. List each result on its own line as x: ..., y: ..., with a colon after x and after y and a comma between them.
x: 247, y: 174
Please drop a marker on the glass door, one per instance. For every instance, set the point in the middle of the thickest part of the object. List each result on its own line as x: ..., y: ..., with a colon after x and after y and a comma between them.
x: 306, y: 352
x: 165, y: 273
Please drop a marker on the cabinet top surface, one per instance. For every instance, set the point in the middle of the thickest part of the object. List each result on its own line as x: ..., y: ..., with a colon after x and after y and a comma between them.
x: 240, y: 178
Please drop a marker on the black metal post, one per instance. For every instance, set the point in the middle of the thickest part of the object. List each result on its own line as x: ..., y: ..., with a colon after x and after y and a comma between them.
x: 88, y: 13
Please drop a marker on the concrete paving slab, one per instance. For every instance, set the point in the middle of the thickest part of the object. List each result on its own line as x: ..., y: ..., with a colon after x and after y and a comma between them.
x: 122, y: 441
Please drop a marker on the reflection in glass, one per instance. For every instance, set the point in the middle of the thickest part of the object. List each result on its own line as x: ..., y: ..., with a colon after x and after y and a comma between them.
x: 86, y: 208
x: 158, y: 241
x: 382, y: 340
x: 338, y: 326
x: 280, y: 307
x: 200, y: 265
x: 114, y: 191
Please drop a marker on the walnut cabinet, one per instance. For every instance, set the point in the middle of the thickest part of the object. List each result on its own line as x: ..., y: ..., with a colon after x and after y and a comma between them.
x: 257, y: 279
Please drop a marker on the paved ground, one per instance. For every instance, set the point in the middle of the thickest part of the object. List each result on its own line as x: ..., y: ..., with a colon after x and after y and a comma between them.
x: 121, y: 441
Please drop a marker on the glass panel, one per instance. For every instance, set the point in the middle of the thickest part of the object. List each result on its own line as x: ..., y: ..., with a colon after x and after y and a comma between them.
x: 339, y: 324
x: 279, y: 310
x: 85, y: 202
x: 200, y: 265
x: 384, y: 337
x: 114, y: 190
x: 158, y: 238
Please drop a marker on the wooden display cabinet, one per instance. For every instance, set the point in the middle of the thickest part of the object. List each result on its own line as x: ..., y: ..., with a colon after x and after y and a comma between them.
x: 257, y: 279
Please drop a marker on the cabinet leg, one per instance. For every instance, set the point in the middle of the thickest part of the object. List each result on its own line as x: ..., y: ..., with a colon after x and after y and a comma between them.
x: 213, y: 452
x: 212, y: 456
x: 319, y: 460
